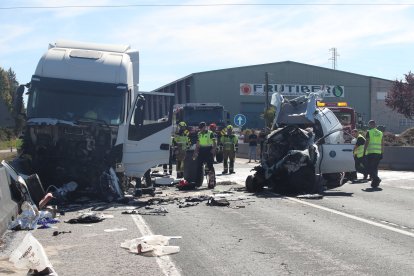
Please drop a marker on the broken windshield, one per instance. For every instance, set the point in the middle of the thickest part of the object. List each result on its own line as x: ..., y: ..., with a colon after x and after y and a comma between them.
x: 93, y: 102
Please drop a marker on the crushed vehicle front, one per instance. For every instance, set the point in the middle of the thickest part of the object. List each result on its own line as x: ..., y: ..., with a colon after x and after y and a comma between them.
x: 291, y: 156
x: 71, y: 133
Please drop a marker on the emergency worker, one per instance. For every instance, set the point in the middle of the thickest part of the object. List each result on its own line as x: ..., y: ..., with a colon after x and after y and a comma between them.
x: 181, y: 142
x: 205, y: 151
x: 360, y: 165
x: 229, y: 142
x: 373, y: 149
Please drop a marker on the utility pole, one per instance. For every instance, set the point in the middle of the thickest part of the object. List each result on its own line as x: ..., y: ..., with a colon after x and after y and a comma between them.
x: 334, y: 57
x: 267, y: 97
x: 267, y: 89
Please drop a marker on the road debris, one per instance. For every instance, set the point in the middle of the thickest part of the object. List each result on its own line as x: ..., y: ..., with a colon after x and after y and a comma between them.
x: 159, y: 211
x: 310, y: 196
x: 187, y: 204
x: 115, y: 230
x: 218, y: 202
x: 56, y: 233
x: 27, y: 219
x: 30, y: 254
x: 89, y: 217
x: 151, y: 246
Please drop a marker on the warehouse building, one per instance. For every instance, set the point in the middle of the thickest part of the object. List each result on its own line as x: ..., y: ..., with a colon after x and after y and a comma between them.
x: 241, y: 90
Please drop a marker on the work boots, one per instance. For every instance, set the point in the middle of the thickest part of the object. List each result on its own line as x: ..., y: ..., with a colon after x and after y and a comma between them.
x: 211, y: 180
x: 225, y: 171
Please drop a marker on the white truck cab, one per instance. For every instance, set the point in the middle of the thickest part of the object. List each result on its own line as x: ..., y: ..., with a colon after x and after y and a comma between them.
x: 88, y: 122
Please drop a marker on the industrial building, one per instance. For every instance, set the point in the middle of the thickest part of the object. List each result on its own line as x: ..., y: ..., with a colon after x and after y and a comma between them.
x: 241, y: 90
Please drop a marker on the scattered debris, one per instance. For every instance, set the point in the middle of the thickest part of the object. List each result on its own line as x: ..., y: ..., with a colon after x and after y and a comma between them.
x: 310, y: 196
x: 187, y: 204
x: 46, y: 219
x: 55, y: 233
x: 48, y: 197
x: 238, y: 207
x: 90, y: 217
x: 115, y: 230
x: 27, y: 219
x: 218, y: 202
x: 164, y: 181
x: 31, y: 255
x: 184, y: 185
x: 199, y: 198
x: 159, y: 211
x: 151, y: 246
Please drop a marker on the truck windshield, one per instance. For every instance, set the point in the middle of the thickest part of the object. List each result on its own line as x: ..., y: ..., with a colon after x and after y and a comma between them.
x: 343, y: 117
x: 74, y: 105
x: 195, y: 116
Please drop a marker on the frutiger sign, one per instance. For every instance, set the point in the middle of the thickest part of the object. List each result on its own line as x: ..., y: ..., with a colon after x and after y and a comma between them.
x: 249, y: 89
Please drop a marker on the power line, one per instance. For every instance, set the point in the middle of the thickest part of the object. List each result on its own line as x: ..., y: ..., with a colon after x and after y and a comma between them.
x: 203, y: 5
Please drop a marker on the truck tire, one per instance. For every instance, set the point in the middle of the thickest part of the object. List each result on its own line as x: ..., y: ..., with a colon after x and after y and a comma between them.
x: 193, y: 173
x: 333, y: 180
x: 253, y: 185
x: 303, y: 181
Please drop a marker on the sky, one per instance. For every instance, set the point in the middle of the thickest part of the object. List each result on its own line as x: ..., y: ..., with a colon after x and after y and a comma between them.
x: 177, y: 38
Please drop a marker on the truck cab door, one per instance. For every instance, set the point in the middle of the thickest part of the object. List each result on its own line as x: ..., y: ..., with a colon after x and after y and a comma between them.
x: 148, y: 133
x: 335, y: 158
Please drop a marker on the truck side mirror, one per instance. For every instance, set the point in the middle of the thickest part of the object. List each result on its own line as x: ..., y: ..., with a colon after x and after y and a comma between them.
x: 139, y: 111
x: 18, y: 100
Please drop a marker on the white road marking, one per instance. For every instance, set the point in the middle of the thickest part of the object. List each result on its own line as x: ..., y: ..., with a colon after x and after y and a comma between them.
x: 407, y: 233
x: 164, y: 262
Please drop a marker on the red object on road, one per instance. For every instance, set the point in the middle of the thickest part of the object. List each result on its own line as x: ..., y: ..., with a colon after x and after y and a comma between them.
x: 45, y: 200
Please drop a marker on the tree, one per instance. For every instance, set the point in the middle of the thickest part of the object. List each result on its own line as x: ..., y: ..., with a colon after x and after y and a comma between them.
x: 5, y: 92
x: 401, y: 96
x: 268, y: 115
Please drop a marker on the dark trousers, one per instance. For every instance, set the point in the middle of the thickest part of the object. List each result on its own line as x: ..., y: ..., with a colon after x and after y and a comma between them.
x: 360, y: 165
x: 228, y: 155
x: 373, y: 160
x: 205, y: 156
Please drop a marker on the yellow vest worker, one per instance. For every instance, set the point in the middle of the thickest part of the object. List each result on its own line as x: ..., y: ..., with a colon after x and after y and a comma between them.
x: 374, y: 148
x: 181, y: 142
x: 229, y: 143
x: 360, y: 164
x: 205, y: 151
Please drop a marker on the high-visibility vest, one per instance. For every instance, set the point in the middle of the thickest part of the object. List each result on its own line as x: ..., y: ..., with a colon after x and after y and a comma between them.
x: 205, y: 139
x: 359, y: 151
x: 375, y: 141
x: 182, y: 141
x: 229, y: 142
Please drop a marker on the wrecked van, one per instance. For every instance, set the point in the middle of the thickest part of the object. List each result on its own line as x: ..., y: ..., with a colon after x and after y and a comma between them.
x: 305, y: 153
x: 88, y: 123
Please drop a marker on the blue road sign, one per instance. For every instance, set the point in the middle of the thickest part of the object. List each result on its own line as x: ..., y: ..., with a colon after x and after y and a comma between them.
x: 240, y: 120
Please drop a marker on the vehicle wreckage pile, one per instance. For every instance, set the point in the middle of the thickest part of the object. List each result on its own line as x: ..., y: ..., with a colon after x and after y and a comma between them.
x: 288, y: 166
x: 305, y: 148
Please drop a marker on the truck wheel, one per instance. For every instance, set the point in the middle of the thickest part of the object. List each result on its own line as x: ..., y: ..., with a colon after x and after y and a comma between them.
x: 333, y: 180
x: 252, y: 185
x: 303, y: 181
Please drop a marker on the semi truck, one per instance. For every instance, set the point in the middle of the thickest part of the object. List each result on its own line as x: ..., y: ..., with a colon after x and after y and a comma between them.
x: 88, y: 123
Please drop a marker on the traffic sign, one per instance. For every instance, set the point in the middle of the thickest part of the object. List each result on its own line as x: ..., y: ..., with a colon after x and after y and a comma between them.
x: 240, y: 120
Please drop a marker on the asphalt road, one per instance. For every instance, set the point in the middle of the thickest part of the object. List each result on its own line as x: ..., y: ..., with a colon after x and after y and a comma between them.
x: 352, y: 230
